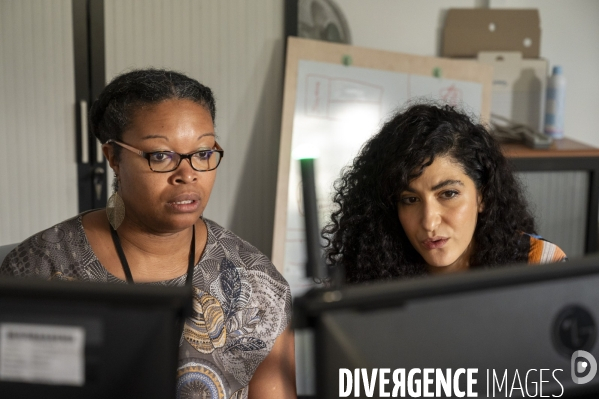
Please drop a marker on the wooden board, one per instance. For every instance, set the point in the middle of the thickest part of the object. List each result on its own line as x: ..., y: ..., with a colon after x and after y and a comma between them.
x: 357, y: 57
x: 560, y: 148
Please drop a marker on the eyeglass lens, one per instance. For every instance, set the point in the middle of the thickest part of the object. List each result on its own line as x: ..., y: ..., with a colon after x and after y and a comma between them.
x: 201, y: 161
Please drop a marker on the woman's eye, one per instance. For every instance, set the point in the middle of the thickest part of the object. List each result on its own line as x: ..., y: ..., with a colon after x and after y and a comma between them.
x: 203, y: 154
x: 409, y: 200
x: 160, y: 157
x: 449, y: 194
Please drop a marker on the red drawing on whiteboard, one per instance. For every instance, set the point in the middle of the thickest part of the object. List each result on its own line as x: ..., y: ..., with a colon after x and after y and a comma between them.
x: 451, y: 95
x: 330, y: 98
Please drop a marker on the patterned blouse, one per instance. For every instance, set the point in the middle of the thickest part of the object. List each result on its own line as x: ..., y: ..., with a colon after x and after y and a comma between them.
x: 543, y: 251
x: 241, y: 302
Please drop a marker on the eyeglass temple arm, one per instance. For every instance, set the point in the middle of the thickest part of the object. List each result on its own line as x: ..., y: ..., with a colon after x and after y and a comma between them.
x: 132, y: 149
x: 217, y: 147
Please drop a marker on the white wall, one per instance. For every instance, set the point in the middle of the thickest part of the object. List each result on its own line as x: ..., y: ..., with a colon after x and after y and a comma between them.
x: 569, y: 37
x: 405, y: 26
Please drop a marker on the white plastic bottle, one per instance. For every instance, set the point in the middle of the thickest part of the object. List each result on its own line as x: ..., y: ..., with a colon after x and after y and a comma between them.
x: 555, y: 104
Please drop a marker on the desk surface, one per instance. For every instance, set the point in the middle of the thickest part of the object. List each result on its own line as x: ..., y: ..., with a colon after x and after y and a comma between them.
x: 560, y: 148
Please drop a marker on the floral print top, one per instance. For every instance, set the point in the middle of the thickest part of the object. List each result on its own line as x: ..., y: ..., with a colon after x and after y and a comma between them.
x: 241, y: 302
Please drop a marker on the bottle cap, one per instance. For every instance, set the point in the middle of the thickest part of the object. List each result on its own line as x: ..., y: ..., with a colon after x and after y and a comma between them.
x: 557, y: 70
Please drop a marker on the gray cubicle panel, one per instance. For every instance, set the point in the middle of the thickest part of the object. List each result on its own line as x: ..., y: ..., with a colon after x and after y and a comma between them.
x: 563, y: 191
x: 558, y: 200
x: 5, y: 249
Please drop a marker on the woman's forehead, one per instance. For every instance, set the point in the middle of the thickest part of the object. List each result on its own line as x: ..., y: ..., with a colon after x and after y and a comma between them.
x: 170, y: 119
x: 443, y: 168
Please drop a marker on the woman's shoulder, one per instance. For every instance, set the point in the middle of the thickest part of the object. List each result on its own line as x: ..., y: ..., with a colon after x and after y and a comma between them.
x: 46, y: 252
x: 224, y: 241
x: 240, y: 276
x: 543, y: 251
x: 241, y: 305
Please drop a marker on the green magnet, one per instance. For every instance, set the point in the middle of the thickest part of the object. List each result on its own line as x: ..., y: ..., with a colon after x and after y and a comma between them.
x: 346, y: 60
x: 437, y: 72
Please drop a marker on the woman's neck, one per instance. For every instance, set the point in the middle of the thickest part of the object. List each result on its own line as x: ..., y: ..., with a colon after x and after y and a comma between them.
x: 152, y: 256
x: 158, y: 257
x: 141, y: 239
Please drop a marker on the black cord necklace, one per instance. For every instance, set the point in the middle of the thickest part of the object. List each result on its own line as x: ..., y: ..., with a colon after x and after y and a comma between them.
x: 119, y: 250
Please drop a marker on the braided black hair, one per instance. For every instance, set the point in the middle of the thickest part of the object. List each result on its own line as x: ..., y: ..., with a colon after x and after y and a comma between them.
x: 113, y: 111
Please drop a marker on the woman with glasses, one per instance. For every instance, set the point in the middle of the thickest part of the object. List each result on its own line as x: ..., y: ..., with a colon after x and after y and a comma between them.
x: 430, y: 193
x: 157, y: 132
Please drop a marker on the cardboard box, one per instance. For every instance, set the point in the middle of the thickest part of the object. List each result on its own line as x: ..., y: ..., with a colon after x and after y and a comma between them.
x: 470, y: 31
x: 518, y: 87
x: 510, y: 41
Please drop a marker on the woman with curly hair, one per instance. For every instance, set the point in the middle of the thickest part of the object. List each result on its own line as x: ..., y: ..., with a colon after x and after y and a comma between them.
x: 430, y: 193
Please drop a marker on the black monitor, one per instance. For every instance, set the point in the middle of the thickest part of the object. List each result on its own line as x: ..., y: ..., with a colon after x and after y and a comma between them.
x: 89, y: 340
x: 523, y: 323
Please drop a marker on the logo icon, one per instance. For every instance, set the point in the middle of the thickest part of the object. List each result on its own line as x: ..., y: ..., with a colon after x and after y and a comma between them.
x: 574, y: 329
x: 581, y: 363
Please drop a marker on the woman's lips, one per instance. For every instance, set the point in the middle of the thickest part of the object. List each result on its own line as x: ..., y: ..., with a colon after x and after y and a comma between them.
x: 434, y: 243
x: 185, y: 203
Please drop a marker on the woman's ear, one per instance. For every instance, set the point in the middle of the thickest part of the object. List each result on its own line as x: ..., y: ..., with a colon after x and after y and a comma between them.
x: 479, y: 201
x: 108, y: 151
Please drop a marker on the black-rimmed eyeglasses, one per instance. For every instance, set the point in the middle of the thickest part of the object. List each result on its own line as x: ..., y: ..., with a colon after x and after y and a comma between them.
x: 202, y: 160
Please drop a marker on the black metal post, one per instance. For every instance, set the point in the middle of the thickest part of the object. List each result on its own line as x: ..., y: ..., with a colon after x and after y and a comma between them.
x: 315, y: 265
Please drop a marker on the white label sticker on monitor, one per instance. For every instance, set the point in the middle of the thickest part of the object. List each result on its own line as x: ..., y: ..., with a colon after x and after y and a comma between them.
x: 45, y: 354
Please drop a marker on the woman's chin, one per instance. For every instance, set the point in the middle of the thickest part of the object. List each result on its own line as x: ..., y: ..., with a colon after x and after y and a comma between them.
x: 439, y: 266
x: 174, y: 223
x: 444, y: 264
x: 438, y: 261
x: 184, y: 221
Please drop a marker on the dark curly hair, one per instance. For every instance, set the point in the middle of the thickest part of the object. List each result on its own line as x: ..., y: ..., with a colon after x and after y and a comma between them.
x: 364, y: 236
x: 112, y: 112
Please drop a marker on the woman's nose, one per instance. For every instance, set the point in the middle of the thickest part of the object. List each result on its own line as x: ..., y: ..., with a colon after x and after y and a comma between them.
x: 185, y: 173
x: 431, y: 216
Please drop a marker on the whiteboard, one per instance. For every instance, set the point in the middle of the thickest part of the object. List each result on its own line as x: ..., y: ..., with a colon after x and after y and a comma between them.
x: 336, y: 108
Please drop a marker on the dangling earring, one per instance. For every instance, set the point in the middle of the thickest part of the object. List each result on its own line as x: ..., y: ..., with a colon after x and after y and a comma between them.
x: 115, y: 210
